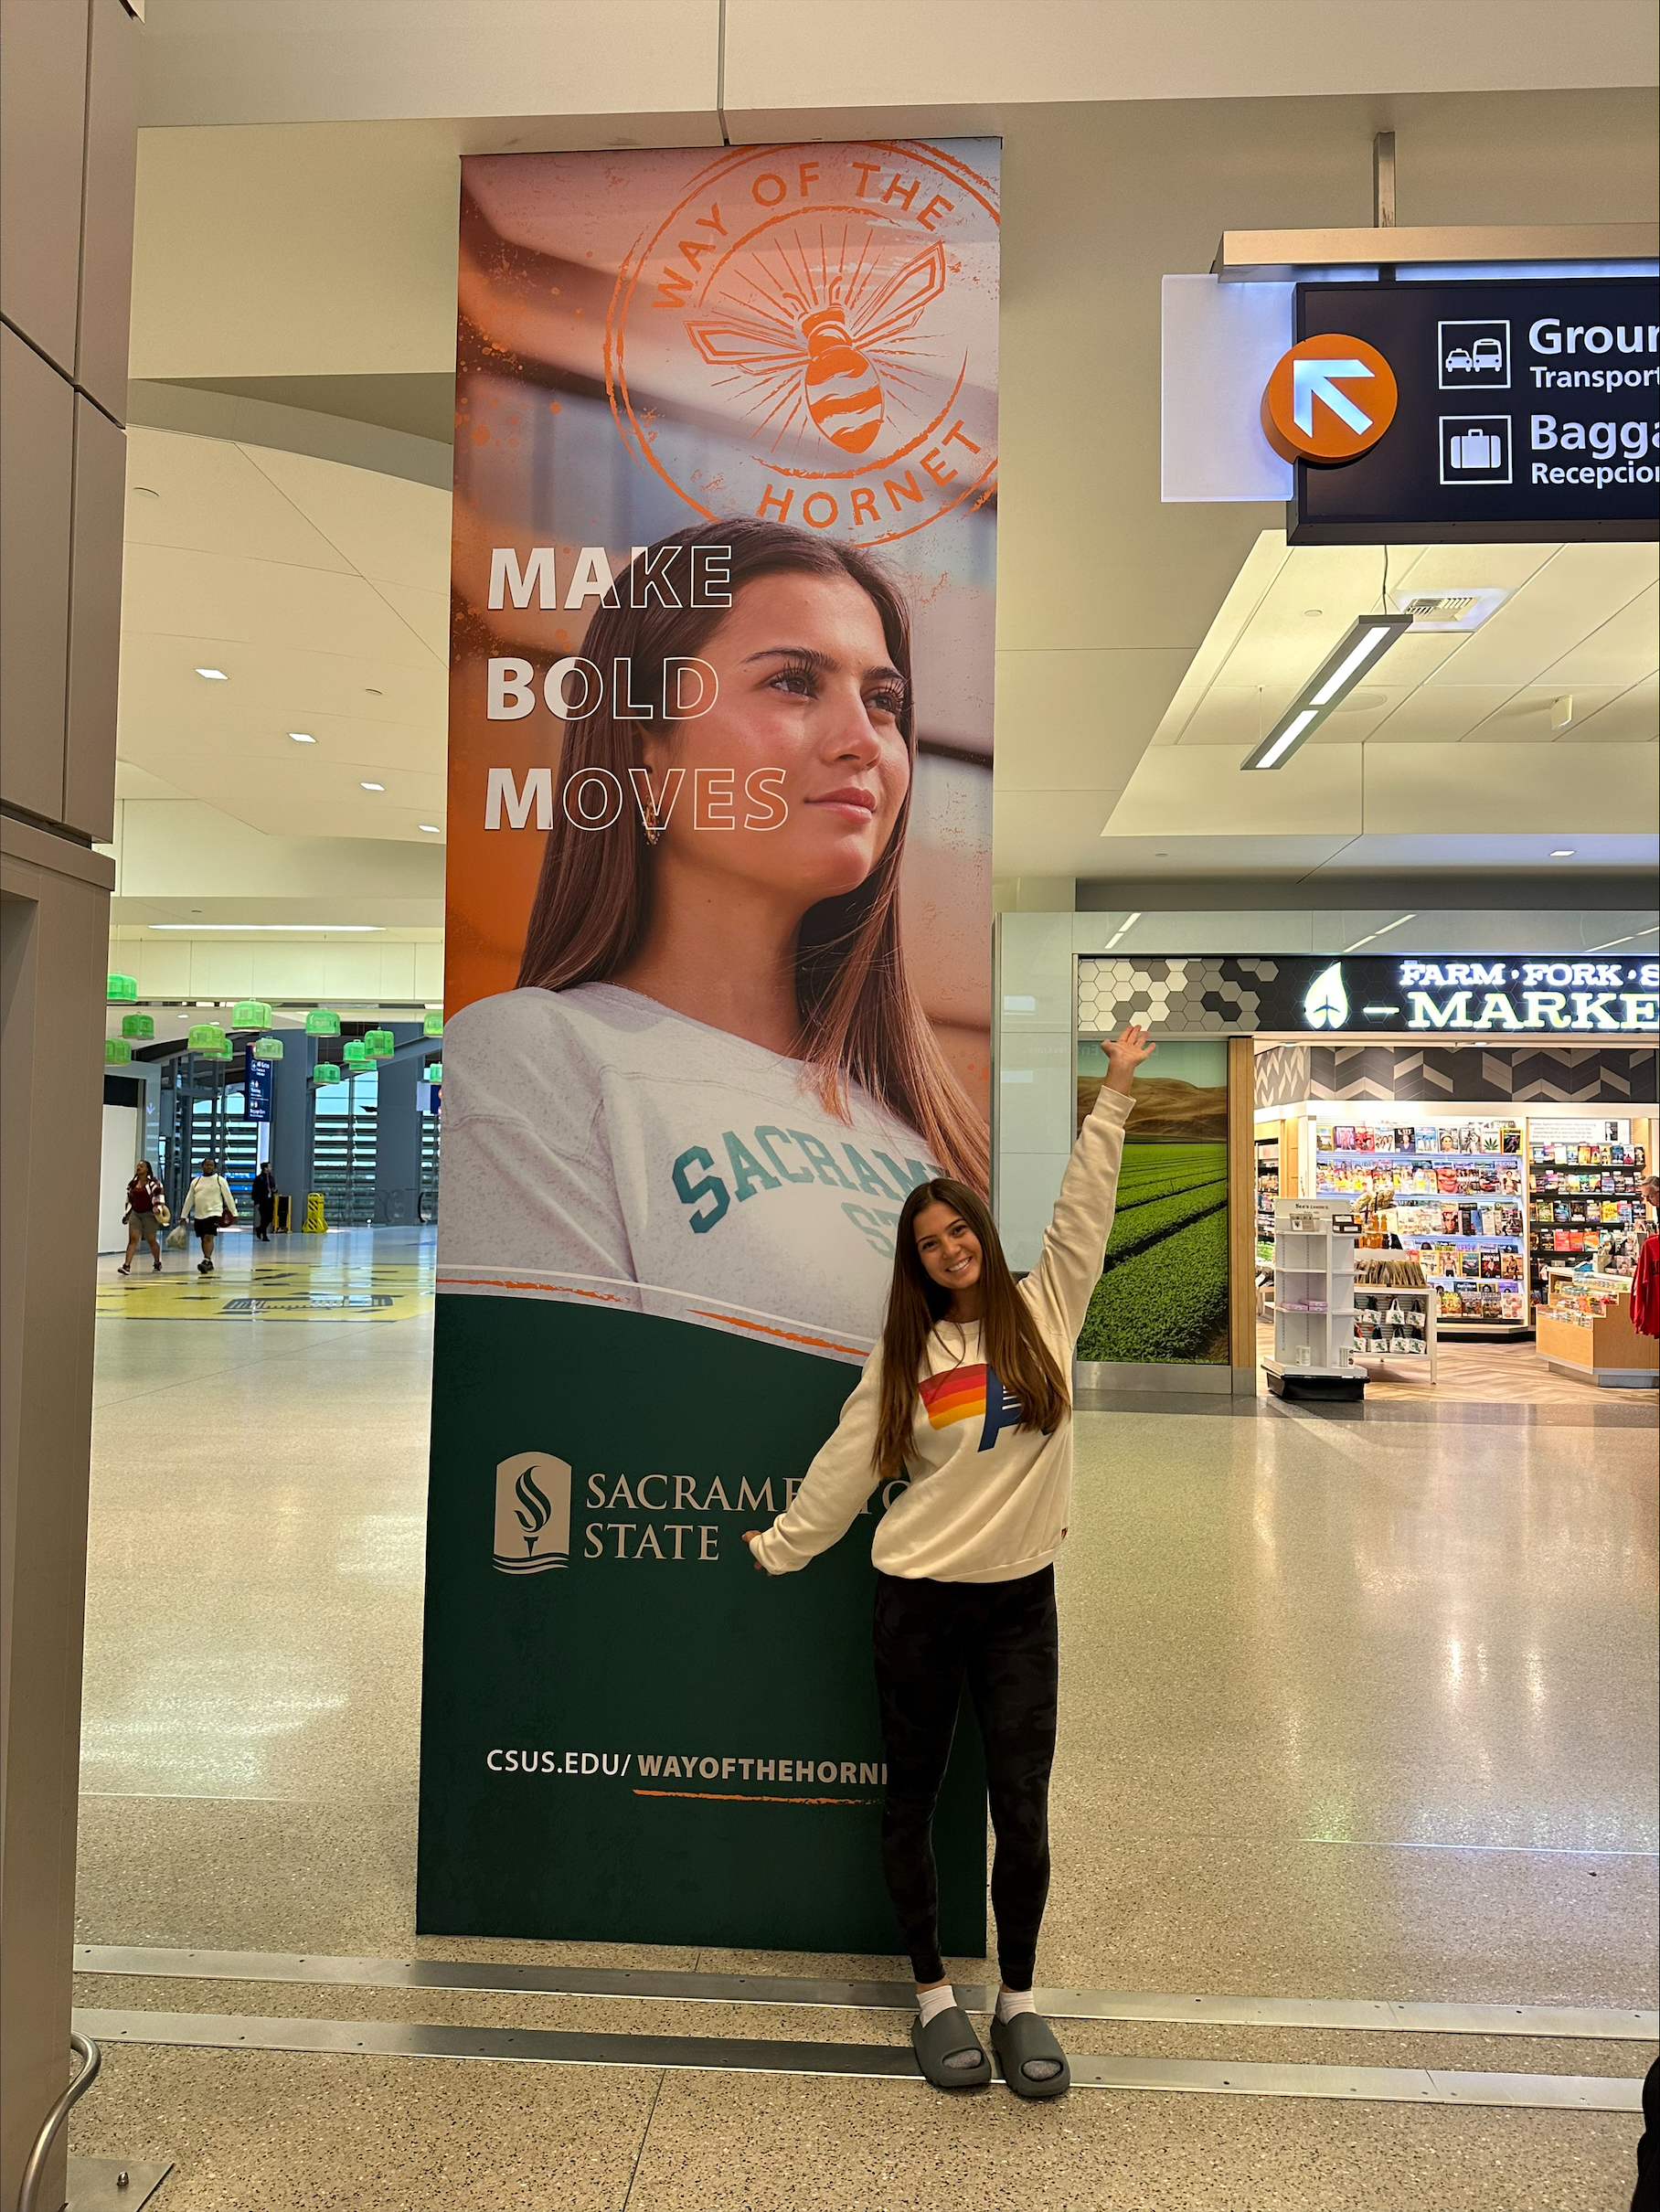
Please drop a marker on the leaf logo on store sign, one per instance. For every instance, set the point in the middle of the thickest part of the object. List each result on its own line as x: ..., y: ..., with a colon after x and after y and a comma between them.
x: 1325, y: 1002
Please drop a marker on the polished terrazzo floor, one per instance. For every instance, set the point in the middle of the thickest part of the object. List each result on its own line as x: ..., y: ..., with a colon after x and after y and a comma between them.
x: 1353, y: 1707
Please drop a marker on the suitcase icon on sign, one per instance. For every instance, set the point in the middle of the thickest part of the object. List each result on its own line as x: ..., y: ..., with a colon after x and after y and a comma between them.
x: 1477, y: 450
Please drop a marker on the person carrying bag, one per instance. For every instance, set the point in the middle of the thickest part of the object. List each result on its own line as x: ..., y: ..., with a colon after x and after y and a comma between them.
x: 209, y: 1206
x: 146, y: 1214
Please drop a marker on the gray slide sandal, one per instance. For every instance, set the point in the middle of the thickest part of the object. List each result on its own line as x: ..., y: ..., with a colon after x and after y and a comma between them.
x: 948, y: 2037
x: 1033, y: 2063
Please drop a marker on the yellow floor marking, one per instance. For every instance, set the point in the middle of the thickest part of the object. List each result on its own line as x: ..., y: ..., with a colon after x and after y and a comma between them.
x: 331, y: 1288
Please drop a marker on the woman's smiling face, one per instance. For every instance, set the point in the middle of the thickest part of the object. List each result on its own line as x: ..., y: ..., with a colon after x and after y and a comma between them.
x: 807, y: 689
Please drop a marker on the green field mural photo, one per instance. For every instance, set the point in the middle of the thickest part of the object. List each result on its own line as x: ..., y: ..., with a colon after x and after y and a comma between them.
x: 1163, y: 1293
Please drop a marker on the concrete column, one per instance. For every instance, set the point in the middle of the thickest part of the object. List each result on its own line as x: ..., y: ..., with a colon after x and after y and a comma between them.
x: 68, y: 149
x: 398, y: 1130
x: 290, y: 1120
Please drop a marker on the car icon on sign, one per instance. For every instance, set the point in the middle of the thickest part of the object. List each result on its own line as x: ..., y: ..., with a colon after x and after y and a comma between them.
x: 1459, y: 358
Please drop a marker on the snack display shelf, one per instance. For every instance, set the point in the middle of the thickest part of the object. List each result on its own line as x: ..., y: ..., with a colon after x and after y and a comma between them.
x: 1478, y: 1185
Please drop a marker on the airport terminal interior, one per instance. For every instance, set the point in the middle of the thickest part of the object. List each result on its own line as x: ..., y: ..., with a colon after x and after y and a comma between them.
x: 1354, y: 1817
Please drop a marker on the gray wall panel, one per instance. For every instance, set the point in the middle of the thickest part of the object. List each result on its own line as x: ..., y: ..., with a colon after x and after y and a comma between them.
x: 94, y: 656
x: 42, y: 108
x: 106, y: 241
x: 36, y: 461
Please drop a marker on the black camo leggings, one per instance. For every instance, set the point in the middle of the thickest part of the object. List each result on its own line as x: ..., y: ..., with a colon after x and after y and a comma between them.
x: 1003, y: 1637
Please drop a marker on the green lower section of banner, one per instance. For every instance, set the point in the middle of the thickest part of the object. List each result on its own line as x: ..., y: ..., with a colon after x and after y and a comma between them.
x: 627, y: 1734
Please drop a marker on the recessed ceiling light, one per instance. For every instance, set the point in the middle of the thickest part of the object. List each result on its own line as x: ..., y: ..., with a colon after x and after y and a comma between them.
x: 370, y: 692
x: 1564, y: 852
x: 144, y: 491
x: 432, y: 828
x: 1313, y: 609
x: 372, y: 787
x: 214, y: 676
x: 302, y: 737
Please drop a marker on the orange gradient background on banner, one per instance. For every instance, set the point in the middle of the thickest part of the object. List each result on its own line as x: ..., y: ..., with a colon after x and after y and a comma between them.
x: 653, y: 338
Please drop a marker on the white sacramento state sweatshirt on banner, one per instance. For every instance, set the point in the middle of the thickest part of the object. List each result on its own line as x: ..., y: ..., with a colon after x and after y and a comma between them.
x: 601, y: 1149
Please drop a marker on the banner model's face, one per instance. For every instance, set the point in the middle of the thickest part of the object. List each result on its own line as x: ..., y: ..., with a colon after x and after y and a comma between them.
x: 807, y: 689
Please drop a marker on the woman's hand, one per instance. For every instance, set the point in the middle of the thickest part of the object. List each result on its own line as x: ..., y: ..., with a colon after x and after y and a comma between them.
x: 750, y: 1536
x: 1125, y: 1054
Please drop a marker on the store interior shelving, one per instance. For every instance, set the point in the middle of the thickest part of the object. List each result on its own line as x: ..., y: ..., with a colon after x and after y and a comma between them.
x: 1267, y: 1190
x: 1456, y: 1196
x: 1582, y: 1199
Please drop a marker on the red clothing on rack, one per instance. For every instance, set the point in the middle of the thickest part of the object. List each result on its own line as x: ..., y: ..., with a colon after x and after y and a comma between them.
x: 1645, y: 1289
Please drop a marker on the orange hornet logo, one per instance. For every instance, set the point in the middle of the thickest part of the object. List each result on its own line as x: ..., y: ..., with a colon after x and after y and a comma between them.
x: 1328, y: 400
x: 821, y: 320
x: 831, y: 358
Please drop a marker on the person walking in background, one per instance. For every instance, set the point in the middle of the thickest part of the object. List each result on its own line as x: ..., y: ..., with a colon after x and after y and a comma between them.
x: 264, y: 1201
x: 1646, y: 1282
x: 209, y: 1206
x: 146, y: 1217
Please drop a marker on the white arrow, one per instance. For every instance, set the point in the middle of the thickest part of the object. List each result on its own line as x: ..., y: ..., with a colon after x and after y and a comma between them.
x: 1312, y: 380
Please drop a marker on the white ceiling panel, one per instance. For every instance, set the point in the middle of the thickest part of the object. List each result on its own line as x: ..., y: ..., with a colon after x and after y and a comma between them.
x: 1621, y: 653
x: 387, y: 529
x: 220, y: 599
x: 1632, y: 717
x: 1571, y: 596
x: 1441, y: 714
x: 207, y: 494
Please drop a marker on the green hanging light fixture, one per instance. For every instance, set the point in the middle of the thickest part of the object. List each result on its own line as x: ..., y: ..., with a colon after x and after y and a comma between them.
x: 208, y: 1037
x: 117, y: 1052
x: 380, y: 1043
x: 354, y: 1052
x: 251, y: 1014
x: 432, y: 1023
x: 123, y: 986
x: 323, y: 1021
x: 137, y: 1024
x: 434, y: 1072
x: 324, y: 1072
x: 266, y: 1048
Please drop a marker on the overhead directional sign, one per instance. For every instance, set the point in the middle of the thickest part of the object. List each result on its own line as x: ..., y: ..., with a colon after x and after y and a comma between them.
x: 1526, y: 409
x: 1328, y: 399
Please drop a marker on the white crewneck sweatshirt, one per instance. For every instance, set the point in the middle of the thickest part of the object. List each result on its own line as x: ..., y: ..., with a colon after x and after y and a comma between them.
x: 983, y: 1500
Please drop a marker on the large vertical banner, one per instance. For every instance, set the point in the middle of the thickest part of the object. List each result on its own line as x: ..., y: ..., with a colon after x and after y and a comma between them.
x: 717, y: 998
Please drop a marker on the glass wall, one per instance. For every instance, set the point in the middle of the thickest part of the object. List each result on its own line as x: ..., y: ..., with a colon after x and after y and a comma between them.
x: 343, y: 1149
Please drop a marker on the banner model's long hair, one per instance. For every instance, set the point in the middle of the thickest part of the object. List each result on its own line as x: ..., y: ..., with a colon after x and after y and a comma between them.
x: 860, y: 1019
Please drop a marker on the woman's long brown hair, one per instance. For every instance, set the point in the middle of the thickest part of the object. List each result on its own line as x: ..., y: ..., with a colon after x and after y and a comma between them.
x: 860, y: 1019
x: 1010, y: 1339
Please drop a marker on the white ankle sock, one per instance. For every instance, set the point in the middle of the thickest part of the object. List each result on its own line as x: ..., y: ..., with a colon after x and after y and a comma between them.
x: 930, y: 2001
x: 1012, y: 2001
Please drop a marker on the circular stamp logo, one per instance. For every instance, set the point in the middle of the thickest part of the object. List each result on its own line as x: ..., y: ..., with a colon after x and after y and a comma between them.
x: 811, y: 333
x: 1329, y: 400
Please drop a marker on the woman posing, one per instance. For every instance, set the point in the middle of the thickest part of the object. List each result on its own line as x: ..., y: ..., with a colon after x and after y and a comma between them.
x: 146, y: 1214
x: 208, y: 1207
x: 968, y: 1394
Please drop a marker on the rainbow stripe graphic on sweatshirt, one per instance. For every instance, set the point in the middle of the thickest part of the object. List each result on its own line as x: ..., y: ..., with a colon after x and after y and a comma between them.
x: 965, y: 1394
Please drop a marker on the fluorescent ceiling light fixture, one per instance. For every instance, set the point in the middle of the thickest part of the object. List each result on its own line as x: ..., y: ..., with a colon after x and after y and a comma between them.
x: 302, y: 737
x: 356, y: 928
x: 1563, y: 852
x: 1376, y: 934
x: 1609, y: 943
x: 1356, y: 654
x: 1121, y: 929
x: 214, y: 676
x: 371, y: 787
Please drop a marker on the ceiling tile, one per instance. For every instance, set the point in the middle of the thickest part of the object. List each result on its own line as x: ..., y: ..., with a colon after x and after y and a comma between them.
x: 389, y: 529
x: 210, y: 497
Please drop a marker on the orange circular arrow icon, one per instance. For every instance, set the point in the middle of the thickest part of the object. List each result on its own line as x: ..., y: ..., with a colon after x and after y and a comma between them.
x: 1328, y: 399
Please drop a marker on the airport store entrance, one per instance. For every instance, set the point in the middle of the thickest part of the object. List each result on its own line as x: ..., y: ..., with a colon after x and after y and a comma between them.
x: 1465, y: 1195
